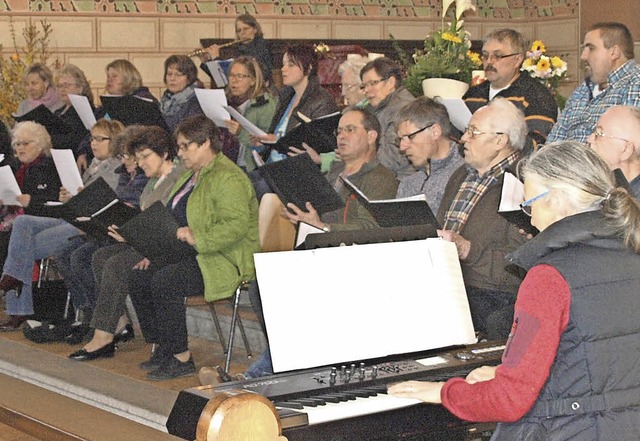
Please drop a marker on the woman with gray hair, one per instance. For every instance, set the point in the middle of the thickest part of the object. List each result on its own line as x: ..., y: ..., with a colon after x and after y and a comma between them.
x: 349, y: 72
x: 38, y: 82
x: 36, y: 177
x: 570, y: 368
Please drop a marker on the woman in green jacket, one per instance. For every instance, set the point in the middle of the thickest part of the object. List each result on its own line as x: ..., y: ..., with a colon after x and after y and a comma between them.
x: 217, y: 210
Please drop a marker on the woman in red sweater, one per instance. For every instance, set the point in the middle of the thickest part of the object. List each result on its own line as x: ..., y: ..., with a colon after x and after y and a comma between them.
x: 570, y: 369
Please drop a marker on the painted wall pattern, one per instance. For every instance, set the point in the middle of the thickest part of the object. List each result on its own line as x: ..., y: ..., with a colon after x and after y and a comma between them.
x: 487, y: 9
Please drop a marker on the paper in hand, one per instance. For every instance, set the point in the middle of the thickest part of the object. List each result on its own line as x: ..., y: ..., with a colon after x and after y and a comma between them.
x: 212, y: 102
x: 9, y: 189
x: 67, y: 170
x: 83, y: 109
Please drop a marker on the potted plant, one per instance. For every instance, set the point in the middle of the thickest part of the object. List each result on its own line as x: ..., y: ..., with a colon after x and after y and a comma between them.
x: 549, y: 70
x: 446, y: 54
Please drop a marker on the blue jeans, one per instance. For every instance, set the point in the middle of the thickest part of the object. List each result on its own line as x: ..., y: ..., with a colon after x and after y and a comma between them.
x: 73, y: 261
x: 32, y: 238
x: 262, y: 366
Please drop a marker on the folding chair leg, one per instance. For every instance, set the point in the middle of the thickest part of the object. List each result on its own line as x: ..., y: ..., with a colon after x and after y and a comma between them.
x: 67, y: 306
x: 247, y: 346
x: 235, y: 318
x: 216, y: 322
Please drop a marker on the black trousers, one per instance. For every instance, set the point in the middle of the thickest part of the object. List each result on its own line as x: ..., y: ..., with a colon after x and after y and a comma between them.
x: 158, y: 297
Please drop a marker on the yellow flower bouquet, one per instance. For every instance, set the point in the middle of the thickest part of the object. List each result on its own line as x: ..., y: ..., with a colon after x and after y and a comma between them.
x: 549, y: 70
x: 446, y: 53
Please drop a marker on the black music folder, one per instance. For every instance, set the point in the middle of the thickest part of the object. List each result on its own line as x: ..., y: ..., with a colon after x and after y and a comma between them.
x: 317, y: 133
x: 153, y: 234
x: 96, y: 208
x: 299, y: 180
x: 396, y: 212
x: 131, y: 109
x: 43, y: 116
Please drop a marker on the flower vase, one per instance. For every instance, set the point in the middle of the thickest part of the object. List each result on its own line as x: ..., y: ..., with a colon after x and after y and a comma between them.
x: 443, y: 88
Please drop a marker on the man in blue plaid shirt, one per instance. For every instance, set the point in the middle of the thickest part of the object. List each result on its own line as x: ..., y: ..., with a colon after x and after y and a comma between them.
x: 612, y: 78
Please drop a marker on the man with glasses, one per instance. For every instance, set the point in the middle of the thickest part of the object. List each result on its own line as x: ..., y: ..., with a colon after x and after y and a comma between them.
x: 423, y: 130
x: 612, y: 78
x: 616, y: 139
x: 493, y: 144
x: 382, y: 86
x: 503, y: 52
x: 357, y: 139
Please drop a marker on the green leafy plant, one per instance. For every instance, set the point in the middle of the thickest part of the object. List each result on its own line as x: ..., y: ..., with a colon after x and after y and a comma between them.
x: 446, y: 53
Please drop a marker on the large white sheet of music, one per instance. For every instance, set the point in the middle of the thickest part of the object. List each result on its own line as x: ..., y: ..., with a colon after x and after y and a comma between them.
x: 332, y: 305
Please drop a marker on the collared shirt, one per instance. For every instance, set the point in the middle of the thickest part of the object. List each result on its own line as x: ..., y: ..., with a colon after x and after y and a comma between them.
x: 579, y: 117
x: 472, y: 189
x: 433, y: 182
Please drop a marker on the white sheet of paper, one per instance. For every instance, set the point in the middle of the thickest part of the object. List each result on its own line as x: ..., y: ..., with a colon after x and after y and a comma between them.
x: 83, y: 109
x: 304, y: 229
x: 67, y: 170
x: 333, y: 305
x: 512, y: 193
x: 244, y: 122
x: 217, y: 73
x: 9, y: 188
x: 212, y: 102
x: 459, y: 113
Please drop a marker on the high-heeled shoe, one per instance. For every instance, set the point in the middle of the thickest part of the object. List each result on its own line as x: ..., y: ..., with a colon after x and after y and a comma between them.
x: 125, y: 334
x: 10, y: 283
x: 106, y: 351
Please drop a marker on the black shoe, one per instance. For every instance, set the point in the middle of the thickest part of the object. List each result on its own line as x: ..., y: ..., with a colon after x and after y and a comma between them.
x: 173, y: 368
x: 125, y: 334
x: 106, y: 351
x: 157, y: 359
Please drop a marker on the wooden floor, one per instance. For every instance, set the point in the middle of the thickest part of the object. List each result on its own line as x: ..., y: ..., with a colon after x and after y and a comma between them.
x: 9, y: 434
x: 125, y: 363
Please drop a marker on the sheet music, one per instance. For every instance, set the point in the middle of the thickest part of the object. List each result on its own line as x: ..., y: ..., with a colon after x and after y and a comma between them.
x: 83, y: 109
x: 9, y: 188
x: 512, y: 193
x: 244, y: 122
x: 459, y: 113
x: 212, y: 102
x: 364, y: 301
x: 303, y: 230
x: 217, y: 71
x: 67, y: 170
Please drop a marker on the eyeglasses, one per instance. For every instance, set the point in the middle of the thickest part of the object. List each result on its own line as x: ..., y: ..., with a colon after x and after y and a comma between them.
x: 98, y: 138
x: 472, y: 133
x: 175, y: 75
x: 184, y: 146
x: 410, y: 136
x: 372, y: 83
x: 347, y: 130
x: 599, y: 133
x: 16, y: 144
x: 526, y: 205
x: 497, y: 57
x: 347, y: 86
x: 142, y: 157
x: 66, y: 85
x: 238, y: 76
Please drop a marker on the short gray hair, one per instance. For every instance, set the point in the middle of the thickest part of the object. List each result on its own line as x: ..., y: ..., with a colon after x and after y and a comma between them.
x: 423, y: 111
x: 354, y: 63
x: 41, y: 137
x: 508, y: 119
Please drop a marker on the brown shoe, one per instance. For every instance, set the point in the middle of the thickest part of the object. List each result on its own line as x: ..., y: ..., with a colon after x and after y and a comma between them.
x: 13, y: 323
